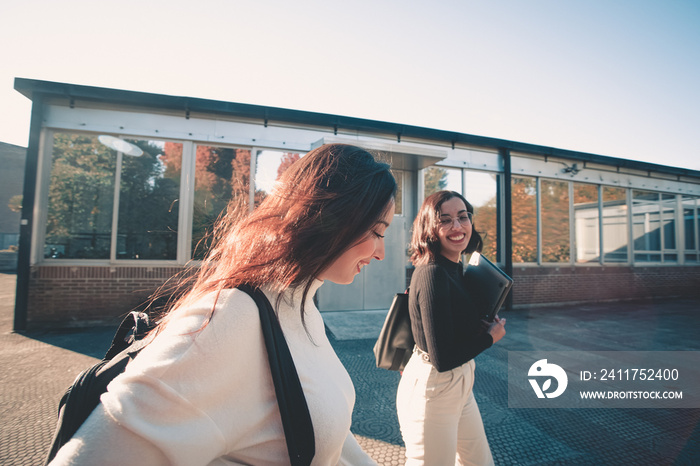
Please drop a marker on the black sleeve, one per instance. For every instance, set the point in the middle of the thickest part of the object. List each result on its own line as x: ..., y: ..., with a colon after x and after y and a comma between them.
x: 449, y: 334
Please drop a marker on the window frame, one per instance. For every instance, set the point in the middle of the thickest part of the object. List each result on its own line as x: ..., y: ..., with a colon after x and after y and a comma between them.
x: 45, y: 165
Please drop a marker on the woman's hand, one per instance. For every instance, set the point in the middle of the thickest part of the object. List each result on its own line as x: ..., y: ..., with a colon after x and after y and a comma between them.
x: 497, y: 328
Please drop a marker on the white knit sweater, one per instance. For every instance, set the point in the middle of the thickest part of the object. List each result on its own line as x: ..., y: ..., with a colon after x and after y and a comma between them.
x: 206, y: 397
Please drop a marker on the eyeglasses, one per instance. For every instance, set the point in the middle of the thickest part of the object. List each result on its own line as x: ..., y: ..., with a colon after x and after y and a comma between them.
x: 465, y: 218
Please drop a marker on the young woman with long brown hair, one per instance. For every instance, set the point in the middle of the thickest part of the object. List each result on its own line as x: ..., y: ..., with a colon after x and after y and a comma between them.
x: 201, y: 391
x: 439, y: 418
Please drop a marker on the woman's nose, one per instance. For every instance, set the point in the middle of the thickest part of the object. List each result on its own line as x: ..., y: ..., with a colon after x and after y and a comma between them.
x: 379, y: 251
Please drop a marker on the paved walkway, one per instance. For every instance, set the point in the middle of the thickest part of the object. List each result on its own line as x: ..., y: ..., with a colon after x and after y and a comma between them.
x: 37, y: 366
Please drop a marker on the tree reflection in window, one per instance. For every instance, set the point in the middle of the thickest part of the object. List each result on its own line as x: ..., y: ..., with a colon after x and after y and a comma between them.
x: 269, y: 167
x: 222, y: 175
x: 434, y: 180
x: 524, y: 206
x: 555, y: 221
x: 82, y: 194
x: 80, y: 198
x: 481, y: 190
x: 149, y: 202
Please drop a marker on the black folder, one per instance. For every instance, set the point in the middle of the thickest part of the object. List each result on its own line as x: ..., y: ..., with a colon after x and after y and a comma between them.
x: 488, y: 286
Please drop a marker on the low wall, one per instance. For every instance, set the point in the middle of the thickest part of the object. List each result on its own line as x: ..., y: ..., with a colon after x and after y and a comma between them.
x: 79, y: 295
x: 550, y: 285
x: 75, y: 295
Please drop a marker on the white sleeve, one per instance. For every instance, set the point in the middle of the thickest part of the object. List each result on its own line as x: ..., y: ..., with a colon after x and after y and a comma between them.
x: 190, y: 396
x: 100, y: 440
x: 353, y: 454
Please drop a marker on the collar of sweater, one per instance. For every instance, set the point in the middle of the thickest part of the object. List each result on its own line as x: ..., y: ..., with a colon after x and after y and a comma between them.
x: 292, y: 296
x: 454, y: 267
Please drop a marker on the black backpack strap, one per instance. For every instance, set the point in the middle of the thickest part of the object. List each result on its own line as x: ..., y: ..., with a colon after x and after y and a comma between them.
x: 296, y: 420
x: 83, y: 396
x: 134, y: 327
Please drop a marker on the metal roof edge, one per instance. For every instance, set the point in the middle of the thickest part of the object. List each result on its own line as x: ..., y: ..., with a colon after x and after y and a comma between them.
x: 29, y: 87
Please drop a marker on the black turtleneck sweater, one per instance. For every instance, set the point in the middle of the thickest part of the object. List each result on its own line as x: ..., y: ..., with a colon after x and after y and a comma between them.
x: 442, y: 322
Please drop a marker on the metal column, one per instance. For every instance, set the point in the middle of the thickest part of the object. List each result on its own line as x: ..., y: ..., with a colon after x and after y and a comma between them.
x: 27, y: 220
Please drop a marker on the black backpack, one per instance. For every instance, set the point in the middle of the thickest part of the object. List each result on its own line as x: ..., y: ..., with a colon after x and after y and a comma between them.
x: 83, y: 396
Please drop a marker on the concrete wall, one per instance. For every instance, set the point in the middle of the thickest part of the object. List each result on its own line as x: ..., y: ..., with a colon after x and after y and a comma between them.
x: 376, y: 285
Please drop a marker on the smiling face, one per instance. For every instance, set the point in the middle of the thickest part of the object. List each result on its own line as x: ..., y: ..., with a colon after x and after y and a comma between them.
x: 454, y: 236
x: 371, y: 246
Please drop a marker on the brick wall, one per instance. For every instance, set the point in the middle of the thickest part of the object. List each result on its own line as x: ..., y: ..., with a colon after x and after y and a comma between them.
x: 542, y: 285
x: 74, y: 295
x: 565, y: 284
x: 71, y: 295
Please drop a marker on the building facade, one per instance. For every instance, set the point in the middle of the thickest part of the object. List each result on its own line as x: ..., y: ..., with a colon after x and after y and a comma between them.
x: 11, y: 177
x: 124, y: 187
x: 12, y: 159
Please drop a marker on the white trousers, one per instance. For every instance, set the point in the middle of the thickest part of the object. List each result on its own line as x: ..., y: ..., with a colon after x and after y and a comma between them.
x: 439, y: 418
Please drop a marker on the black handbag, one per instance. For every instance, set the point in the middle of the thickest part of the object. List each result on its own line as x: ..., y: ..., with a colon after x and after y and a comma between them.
x: 83, y: 396
x: 395, y: 344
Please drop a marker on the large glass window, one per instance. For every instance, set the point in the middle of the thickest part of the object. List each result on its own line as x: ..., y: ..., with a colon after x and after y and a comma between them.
x: 654, y: 227
x: 646, y: 226
x: 668, y: 228
x: 691, y: 222
x: 81, y: 220
x: 222, y: 174
x: 149, y: 194
x: 119, y: 199
x: 615, y: 232
x: 439, y: 178
x: 270, y: 166
x: 398, y: 176
x: 481, y: 190
x: 81, y: 198
x: 524, y: 206
x: 556, y: 237
x: 586, y: 223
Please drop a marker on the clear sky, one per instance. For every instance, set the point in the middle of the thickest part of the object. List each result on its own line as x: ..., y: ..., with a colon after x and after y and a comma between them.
x: 619, y: 78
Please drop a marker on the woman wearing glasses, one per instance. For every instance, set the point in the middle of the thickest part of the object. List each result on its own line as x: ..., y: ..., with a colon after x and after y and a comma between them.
x: 439, y: 418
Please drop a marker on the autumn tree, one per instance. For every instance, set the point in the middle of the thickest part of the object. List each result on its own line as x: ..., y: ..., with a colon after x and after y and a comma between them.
x: 222, y: 176
x: 556, y: 233
x: 81, y: 200
x: 486, y: 223
x: 148, y: 219
x: 81, y: 190
x: 524, y: 207
x: 435, y: 180
x: 288, y: 158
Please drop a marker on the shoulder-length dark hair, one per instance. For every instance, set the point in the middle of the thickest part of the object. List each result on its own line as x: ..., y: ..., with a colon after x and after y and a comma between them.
x: 425, y: 243
x: 321, y: 206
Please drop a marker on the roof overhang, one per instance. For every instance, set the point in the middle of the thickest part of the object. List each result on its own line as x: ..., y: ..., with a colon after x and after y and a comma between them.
x: 400, y: 156
x: 349, y: 125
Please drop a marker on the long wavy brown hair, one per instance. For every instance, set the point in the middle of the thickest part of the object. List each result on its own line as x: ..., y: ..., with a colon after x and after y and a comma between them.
x: 425, y: 243
x: 324, y: 204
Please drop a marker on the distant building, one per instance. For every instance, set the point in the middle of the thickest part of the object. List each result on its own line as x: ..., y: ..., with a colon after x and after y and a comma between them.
x: 128, y: 183
x: 12, y: 159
